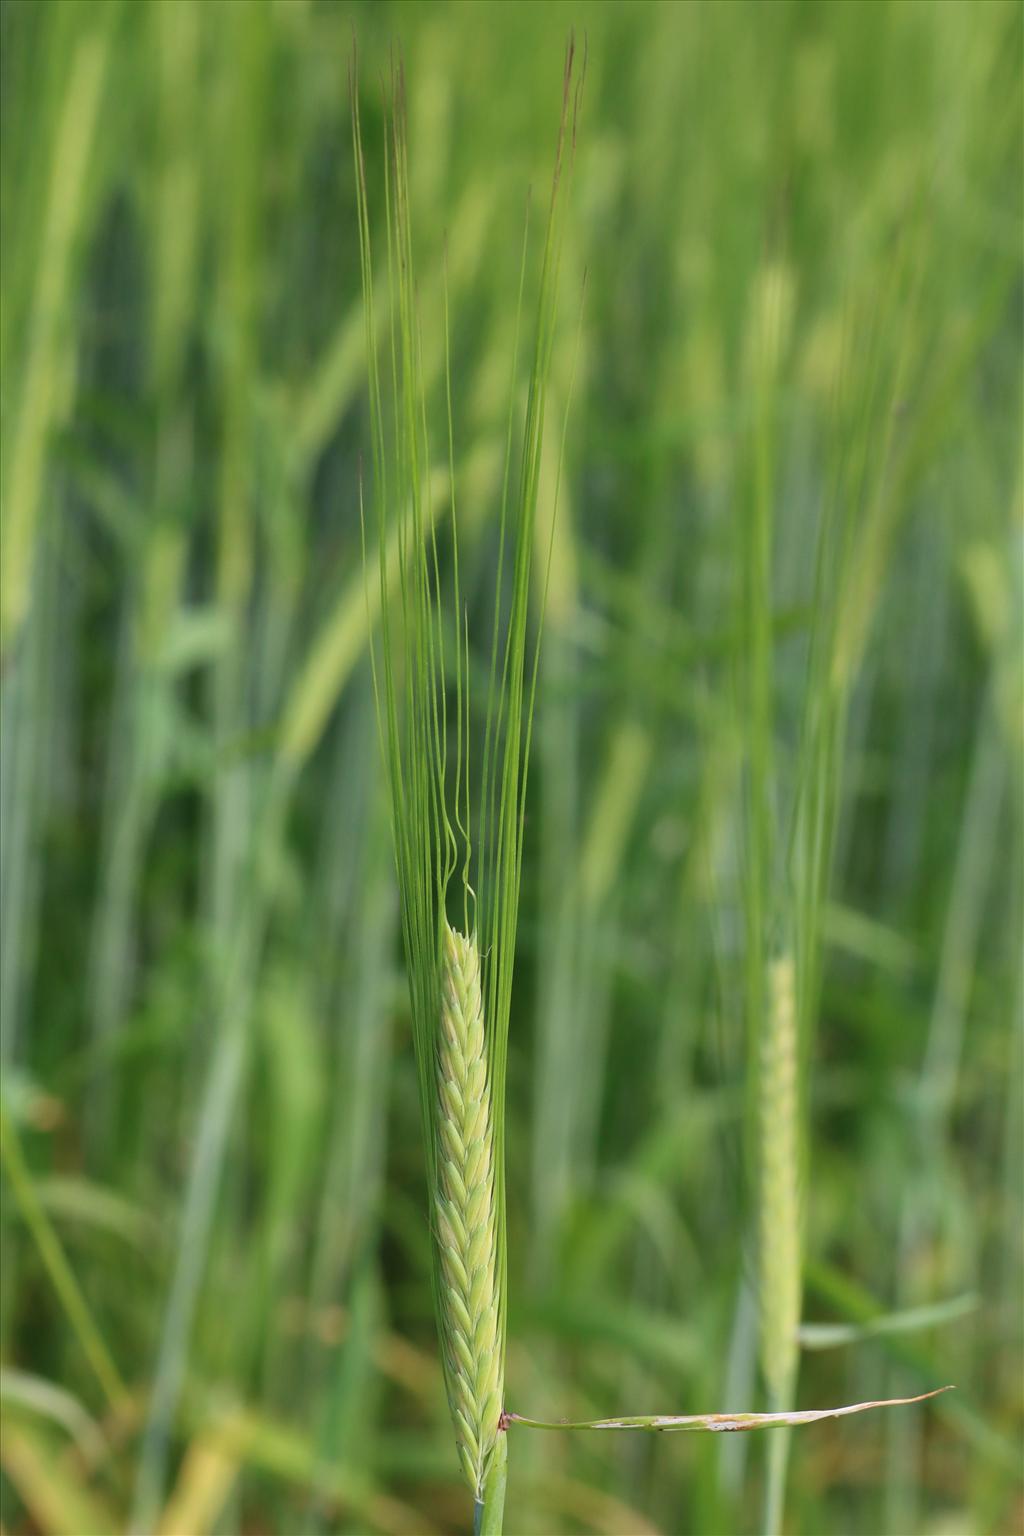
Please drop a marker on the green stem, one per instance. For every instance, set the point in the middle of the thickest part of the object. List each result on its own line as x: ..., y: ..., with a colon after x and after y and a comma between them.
x: 775, y: 1488
x: 489, y: 1511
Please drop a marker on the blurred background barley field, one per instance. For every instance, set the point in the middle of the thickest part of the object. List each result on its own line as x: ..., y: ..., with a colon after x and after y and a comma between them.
x: 777, y: 764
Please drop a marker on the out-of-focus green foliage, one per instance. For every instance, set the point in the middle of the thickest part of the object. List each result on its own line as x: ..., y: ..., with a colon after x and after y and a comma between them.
x: 780, y: 715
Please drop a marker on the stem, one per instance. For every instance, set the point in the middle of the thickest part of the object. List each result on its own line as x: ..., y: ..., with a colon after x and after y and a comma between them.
x: 775, y: 1489
x: 489, y: 1511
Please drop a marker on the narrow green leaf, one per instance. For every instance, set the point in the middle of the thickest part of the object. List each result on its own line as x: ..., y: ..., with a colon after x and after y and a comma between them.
x: 910, y: 1320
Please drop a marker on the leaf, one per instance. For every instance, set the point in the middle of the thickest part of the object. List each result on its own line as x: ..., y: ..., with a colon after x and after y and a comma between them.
x: 58, y: 1501
x: 716, y: 1423
x: 81, y: 1202
x: 25, y: 1393
x: 910, y: 1320
x: 345, y: 635
x: 282, y: 1452
x: 658, y: 1338
x: 202, y: 1489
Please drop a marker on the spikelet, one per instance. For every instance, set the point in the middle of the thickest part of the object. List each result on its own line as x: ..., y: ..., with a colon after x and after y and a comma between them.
x: 466, y: 1214
x: 780, y: 1277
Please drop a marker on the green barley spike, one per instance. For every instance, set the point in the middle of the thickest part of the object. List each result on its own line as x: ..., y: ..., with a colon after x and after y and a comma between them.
x: 780, y: 1187
x: 466, y: 1213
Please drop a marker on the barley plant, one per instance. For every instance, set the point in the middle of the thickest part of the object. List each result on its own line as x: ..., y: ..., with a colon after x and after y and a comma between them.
x: 458, y: 845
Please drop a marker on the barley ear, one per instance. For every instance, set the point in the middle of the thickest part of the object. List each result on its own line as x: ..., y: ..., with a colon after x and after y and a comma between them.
x: 780, y: 1189
x: 466, y: 1214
